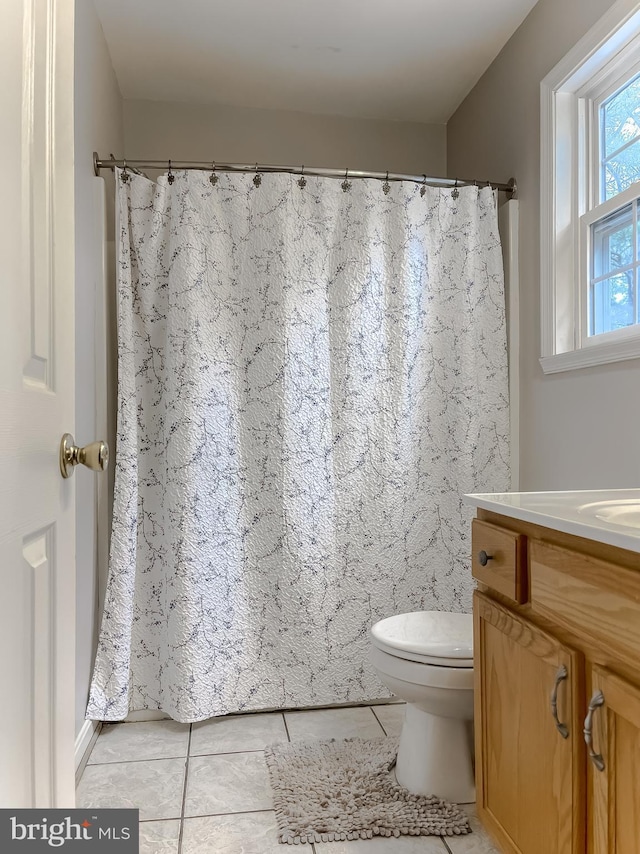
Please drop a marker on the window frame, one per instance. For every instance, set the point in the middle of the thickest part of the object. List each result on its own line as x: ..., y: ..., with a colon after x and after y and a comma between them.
x: 630, y: 196
x: 571, y: 96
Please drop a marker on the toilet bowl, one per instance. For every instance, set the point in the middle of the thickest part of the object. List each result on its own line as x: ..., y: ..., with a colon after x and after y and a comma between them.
x: 426, y: 659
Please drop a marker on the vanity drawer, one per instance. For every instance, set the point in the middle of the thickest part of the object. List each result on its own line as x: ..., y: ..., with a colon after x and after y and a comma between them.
x: 592, y: 598
x: 499, y: 559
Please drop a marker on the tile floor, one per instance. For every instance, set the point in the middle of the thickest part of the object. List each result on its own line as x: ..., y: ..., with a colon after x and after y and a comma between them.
x: 203, y: 788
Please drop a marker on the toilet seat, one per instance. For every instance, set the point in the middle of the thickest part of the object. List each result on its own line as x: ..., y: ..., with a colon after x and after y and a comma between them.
x: 429, y: 637
x: 419, y: 673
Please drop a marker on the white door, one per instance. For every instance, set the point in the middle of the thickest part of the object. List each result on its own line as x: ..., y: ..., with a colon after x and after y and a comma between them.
x: 37, y: 571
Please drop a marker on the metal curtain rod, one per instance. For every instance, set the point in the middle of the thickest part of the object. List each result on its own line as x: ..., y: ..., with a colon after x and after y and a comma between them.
x: 99, y: 163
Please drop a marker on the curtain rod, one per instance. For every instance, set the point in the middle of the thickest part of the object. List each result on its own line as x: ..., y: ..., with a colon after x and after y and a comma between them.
x: 99, y: 163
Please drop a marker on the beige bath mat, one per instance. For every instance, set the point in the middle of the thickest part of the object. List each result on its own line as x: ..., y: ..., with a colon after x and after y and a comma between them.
x: 334, y: 790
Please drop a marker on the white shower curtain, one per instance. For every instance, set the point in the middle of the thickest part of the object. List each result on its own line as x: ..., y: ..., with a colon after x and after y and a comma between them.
x: 309, y: 379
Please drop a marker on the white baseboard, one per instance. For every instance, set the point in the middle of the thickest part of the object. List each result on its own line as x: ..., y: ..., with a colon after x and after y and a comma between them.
x: 85, y: 740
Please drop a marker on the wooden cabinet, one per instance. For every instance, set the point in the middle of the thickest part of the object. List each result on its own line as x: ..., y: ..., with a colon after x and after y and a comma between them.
x: 557, y: 651
x: 524, y: 754
x: 614, y: 771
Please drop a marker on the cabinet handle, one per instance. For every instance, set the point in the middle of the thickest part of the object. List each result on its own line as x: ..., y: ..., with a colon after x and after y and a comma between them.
x: 596, y: 701
x: 561, y: 675
x: 484, y: 558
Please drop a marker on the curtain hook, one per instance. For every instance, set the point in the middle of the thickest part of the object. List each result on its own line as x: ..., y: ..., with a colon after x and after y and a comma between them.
x: 213, y: 177
x: 386, y: 186
x: 257, y: 178
x: 170, y: 176
x: 302, y: 181
x: 124, y: 177
x: 423, y: 188
x: 455, y: 192
x: 346, y: 184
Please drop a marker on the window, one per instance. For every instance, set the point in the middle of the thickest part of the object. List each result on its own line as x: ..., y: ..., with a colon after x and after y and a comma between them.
x: 619, y: 139
x: 590, y: 197
x: 612, y: 239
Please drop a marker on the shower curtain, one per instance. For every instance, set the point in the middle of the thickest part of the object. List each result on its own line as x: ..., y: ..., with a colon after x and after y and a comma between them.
x: 310, y: 377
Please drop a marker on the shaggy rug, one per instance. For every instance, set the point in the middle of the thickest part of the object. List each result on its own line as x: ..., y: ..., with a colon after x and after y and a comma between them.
x: 334, y: 790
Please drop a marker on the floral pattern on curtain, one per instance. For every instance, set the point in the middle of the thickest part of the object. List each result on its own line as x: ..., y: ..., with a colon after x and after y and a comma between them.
x: 309, y: 380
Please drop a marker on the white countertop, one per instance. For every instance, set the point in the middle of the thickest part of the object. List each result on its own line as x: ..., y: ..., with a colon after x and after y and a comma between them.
x: 606, y: 515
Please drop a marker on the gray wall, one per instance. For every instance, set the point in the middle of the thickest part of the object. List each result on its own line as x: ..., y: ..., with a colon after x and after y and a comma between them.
x: 156, y: 130
x: 579, y: 429
x: 98, y: 126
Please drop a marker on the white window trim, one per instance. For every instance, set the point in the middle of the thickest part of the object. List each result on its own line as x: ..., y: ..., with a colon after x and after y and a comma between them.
x: 563, y: 197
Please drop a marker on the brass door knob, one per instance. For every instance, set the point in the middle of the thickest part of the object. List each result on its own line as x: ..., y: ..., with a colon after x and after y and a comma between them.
x: 94, y: 456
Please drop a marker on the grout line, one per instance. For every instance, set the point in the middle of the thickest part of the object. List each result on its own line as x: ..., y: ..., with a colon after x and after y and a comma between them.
x: 274, y: 710
x: 446, y: 845
x: 130, y: 761
x: 378, y: 719
x: 163, y: 758
x: 286, y: 728
x: 228, y: 752
x: 224, y: 814
x: 184, y: 791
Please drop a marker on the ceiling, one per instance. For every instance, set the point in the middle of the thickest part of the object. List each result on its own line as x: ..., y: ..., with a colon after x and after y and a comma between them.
x: 407, y: 60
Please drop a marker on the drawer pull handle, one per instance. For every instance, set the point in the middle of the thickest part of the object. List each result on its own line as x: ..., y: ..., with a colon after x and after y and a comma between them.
x: 596, y: 701
x: 484, y: 558
x: 561, y: 675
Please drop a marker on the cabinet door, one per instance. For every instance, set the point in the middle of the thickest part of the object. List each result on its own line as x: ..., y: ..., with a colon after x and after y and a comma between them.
x: 614, y: 780
x: 529, y: 764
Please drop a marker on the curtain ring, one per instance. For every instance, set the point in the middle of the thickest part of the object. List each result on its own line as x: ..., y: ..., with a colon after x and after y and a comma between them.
x: 423, y: 188
x: 213, y: 177
x: 455, y: 192
x: 302, y: 181
x: 170, y: 176
x: 257, y: 178
x: 124, y: 177
x: 346, y: 184
x: 386, y: 186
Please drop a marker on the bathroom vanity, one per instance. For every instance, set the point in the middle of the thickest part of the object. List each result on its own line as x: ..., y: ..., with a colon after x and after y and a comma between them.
x: 557, y: 670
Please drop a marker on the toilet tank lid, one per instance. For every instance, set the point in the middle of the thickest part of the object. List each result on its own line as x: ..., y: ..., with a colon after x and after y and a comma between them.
x: 437, y: 634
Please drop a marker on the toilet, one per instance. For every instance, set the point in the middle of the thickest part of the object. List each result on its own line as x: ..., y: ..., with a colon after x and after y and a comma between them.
x: 426, y: 658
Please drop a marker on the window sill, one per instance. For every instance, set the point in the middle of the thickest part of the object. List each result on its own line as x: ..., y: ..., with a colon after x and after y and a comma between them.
x: 597, y: 354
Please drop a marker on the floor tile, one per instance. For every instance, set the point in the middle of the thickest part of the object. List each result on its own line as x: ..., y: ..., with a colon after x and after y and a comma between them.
x: 230, y: 782
x: 149, y: 740
x: 154, y: 787
x: 477, y: 842
x: 357, y: 722
x: 237, y: 733
x: 395, y: 845
x: 243, y: 833
x: 391, y: 717
x: 159, y: 837
x: 146, y: 715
